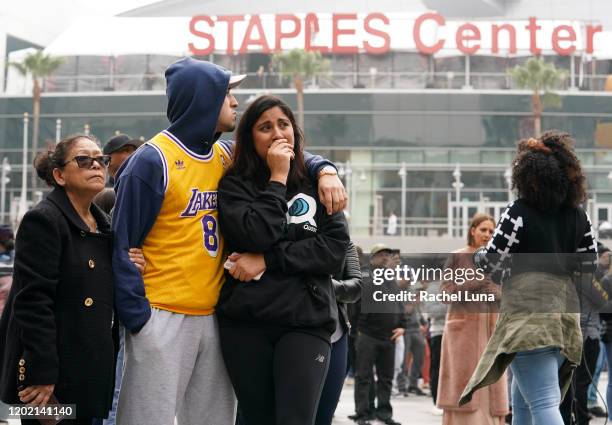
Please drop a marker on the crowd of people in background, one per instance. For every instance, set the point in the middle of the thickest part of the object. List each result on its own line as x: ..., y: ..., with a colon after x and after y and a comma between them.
x: 218, y: 276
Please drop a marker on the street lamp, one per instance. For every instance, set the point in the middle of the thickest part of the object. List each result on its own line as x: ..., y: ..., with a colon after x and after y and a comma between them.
x: 350, y: 186
x: 458, y: 185
x: 6, y: 168
x: 58, y: 130
x: 402, y: 174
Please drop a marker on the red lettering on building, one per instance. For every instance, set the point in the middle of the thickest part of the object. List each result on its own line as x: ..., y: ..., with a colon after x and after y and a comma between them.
x: 337, y: 32
x: 211, y: 40
x: 373, y: 31
x: 346, y: 33
x: 495, y: 30
x: 250, y: 39
x: 591, y: 31
x: 467, y: 32
x: 416, y: 32
x: 557, y: 38
x: 230, y: 19
x: 533, y: 42
x: 312, y: 27
x: 280, y: 35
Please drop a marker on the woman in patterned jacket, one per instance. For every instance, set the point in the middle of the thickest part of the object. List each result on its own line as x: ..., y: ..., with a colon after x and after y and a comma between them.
x: 538, y: 333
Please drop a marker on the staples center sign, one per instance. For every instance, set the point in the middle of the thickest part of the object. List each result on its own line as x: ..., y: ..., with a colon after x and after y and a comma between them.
x: 379, y: 33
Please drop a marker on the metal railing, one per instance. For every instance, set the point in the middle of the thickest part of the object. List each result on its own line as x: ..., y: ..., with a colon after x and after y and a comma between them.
x: 329, y: 80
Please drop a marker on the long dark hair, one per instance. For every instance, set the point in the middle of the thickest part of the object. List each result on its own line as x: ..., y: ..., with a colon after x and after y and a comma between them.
x: 547, y: 173
x: 248, y: 164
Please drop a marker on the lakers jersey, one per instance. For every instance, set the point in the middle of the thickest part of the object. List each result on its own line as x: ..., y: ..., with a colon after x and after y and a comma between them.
x: 184, y: 250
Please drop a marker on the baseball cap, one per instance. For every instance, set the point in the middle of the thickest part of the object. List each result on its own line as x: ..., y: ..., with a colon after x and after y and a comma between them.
x: 235, y: 80
x: 379, y: 247
x: 120, y: 141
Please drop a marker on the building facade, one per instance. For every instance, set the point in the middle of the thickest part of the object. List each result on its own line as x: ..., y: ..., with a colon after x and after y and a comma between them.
x: 426, y: 135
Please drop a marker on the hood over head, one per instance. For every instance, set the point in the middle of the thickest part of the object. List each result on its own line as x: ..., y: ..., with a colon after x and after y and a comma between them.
x: 196, y: 91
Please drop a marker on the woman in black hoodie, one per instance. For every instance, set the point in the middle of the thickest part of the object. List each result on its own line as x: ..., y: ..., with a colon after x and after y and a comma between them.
x: 275, y: 327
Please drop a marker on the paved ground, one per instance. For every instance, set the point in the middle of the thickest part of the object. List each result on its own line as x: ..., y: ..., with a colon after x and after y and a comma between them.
x: 410, y: 410
x: 415, y: 410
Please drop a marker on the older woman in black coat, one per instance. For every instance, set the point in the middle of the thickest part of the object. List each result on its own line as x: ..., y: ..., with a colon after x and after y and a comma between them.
x: 56, y: 330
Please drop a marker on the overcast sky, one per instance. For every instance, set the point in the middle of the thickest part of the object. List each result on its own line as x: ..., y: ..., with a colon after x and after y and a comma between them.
x: 41, y: 21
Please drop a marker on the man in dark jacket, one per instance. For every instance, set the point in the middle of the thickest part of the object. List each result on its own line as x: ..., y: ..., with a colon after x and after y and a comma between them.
x: 377, y: 333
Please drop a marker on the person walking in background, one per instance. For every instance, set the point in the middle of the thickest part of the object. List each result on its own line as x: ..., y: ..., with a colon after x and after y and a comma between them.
x: 277, y: 309
x: 605, y: 269
x: 435, y: 314
x: 347, y: 288
x: 467, y: 330
x: 377, y: 333
x: 593, y: 295
x: 414, y: 352
x: 56, y: 328
x: 546, y: 218
x: 352, y: 311
x: 392, y: 224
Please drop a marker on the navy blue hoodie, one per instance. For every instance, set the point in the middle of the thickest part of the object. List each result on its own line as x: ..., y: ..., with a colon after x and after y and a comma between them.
x: 196, y: 91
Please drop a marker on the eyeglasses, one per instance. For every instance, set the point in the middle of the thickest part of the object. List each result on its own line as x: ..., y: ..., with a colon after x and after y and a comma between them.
x: 84, y: 161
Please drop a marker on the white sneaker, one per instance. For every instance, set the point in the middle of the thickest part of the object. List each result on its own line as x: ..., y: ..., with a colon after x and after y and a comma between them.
x: 436, y: 411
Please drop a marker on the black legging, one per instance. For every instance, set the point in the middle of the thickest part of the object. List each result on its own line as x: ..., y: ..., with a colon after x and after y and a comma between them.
x: 333, y: 382
x: 278, y: 375
x: 435, y: 347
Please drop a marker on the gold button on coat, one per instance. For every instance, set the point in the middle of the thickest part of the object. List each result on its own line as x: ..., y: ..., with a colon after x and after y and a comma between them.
x: 88, y: 302
x: 22, y: 362
x: 22, y: 377
x: 91, y: 264
x: 22, y: 370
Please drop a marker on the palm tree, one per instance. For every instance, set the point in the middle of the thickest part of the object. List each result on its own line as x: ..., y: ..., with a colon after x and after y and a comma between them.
x: 300, y: 65
x: 38, y: 65
x: 541, y: 78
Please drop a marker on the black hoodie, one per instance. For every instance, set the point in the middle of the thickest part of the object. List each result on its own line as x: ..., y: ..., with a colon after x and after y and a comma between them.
x: 302, y: 247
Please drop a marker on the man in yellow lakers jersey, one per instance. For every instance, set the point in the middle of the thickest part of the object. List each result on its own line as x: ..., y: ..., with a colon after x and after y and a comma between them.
x: 167, y: 204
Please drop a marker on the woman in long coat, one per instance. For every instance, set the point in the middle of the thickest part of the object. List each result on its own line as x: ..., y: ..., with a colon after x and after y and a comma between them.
x: 469, y: 325
x: 55, y: 332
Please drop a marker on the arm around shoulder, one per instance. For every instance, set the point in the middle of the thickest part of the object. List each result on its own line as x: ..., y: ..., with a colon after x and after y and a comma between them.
x: 348, y: 286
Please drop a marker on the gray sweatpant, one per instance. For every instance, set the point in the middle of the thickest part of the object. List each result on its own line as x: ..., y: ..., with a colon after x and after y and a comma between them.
x: 174, y: 368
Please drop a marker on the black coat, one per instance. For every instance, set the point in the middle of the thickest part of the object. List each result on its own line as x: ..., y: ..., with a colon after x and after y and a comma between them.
x: 56, y: 327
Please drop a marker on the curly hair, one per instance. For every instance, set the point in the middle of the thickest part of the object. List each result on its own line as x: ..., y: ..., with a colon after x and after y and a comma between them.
x: 547, y: 173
